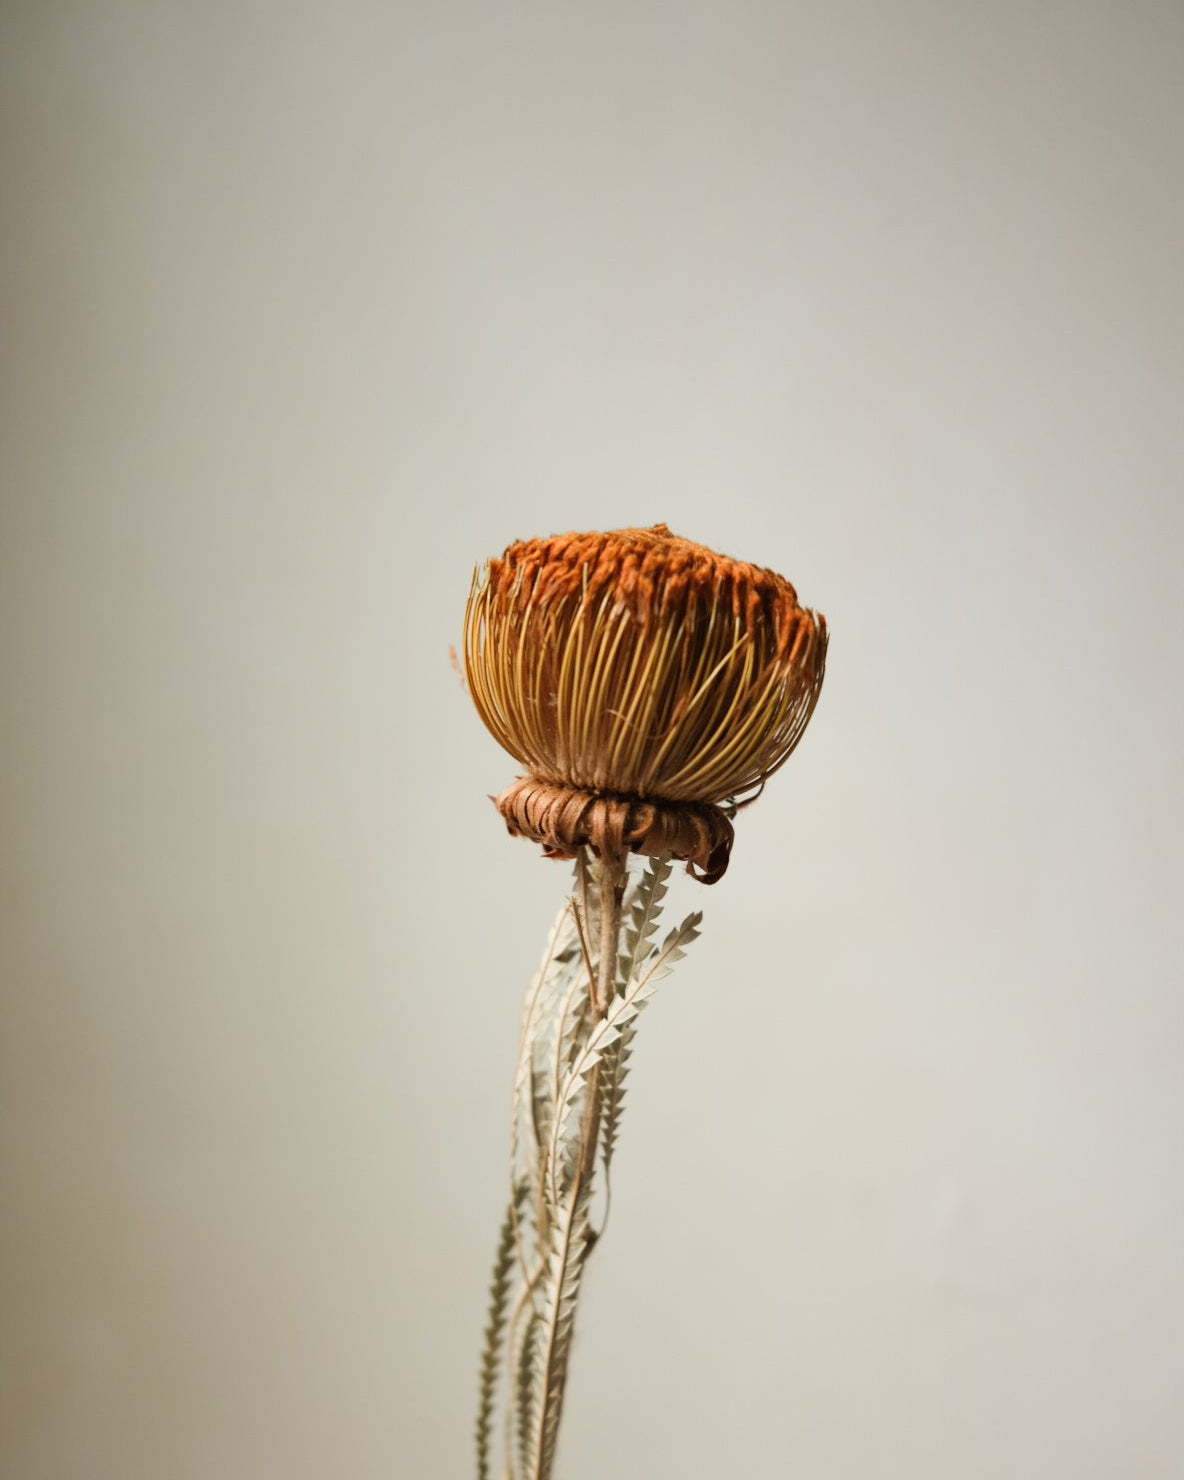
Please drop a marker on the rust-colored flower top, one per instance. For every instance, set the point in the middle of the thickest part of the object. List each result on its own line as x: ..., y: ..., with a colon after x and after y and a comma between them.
x: 647, y: 685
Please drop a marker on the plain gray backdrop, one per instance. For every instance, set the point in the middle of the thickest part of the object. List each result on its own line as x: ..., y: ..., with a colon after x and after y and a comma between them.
x: 308, y: 308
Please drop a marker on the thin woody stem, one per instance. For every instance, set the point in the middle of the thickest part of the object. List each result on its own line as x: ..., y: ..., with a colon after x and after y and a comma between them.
x: 610, y: 885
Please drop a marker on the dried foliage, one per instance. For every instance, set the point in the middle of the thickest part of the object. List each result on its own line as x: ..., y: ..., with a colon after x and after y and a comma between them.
x: 599, y: 970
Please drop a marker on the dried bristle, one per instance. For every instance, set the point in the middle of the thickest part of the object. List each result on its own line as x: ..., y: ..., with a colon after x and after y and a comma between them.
x: 638, y: 663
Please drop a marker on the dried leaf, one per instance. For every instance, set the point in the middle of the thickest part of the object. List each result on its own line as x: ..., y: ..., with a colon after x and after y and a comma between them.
x: 614, y: 1067
x: 531, y: 1115
x: 622, y: 1010
x: 499, y: 1296
x: 569, y: 1252
x: 525, y: 1382
x: 644, y: 907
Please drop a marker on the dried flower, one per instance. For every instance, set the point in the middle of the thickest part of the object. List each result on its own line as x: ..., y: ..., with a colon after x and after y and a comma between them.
x: 648, y: 685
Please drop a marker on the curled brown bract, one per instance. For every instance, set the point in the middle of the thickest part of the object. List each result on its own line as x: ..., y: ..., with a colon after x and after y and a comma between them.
x: 564, y: 819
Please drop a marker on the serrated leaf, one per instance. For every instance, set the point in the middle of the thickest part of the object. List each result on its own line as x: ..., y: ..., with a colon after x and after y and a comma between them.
x: 673, y: 948
x: 622, y: 1010
x: 614, y: 1067
x: 559, y: 963
x: 499, y: 1295
x: 567, y: 1266
x: 642, y: 911
x: 525, y: 1383
x: 557, y: 1154
x: 530, y: 1117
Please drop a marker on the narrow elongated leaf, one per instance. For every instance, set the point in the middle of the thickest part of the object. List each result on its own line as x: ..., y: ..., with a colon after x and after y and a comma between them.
x: 525, y: 1383
x: 557, y: 1153
x: 546, y: 987
x: 531, y: 1116
x: 643, y: 909
x: 673, y: 949
x: 499, y: 1295
x: 558, y: 1325
x: 614, y: 1067
x: 622, y: 1011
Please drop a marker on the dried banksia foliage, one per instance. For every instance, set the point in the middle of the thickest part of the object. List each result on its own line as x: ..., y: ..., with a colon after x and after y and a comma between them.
x: 649, y: 687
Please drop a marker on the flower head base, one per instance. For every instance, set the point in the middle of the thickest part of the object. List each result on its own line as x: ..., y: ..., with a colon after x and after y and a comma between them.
x: 645, y: 682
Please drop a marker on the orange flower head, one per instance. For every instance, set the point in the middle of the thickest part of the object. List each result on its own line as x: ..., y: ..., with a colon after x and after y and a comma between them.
x: 644, y: 682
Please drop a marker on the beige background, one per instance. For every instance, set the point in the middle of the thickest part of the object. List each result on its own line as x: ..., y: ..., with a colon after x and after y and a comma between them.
x: 310, y: 306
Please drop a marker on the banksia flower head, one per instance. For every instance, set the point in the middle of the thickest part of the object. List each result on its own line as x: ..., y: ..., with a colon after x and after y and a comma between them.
x: 648, y: 686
